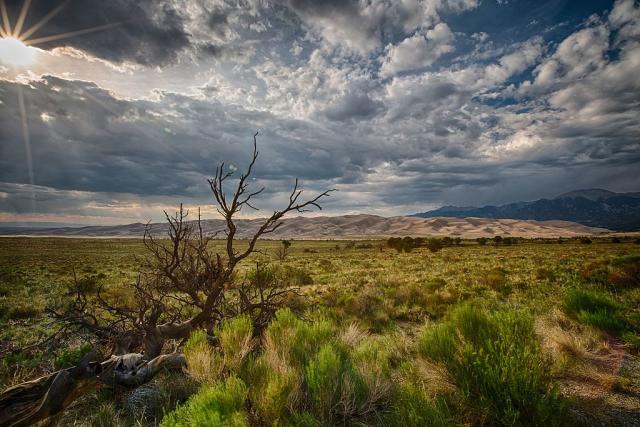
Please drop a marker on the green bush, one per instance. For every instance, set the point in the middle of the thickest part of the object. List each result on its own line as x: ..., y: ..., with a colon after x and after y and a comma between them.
x: 497, y: 365
x: 235, y: 336
x: 368, y: 306
x: 412, y: 408
x: 297, y: 277
x: 324, y: 377
x: 298, y: 340
x: 68, y: 358
x: 274, y: 387
x: 546, y: 274
x: 308, y: 372
x: 434, y: 245
x: 221, y: 404
x: 496, y: 278
x: 625, y: 271
x: 204, y: 363
x: 595, y: 309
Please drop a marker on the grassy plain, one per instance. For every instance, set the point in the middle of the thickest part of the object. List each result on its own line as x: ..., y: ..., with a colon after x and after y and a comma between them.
x: 580, y: 304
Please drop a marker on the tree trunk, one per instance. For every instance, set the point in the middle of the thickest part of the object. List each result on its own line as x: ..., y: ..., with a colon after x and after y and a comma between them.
x: 33, y: 401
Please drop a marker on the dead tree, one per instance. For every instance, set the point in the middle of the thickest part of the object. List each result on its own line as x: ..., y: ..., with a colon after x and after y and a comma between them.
x: 283, y: 250
x: 183, y: 284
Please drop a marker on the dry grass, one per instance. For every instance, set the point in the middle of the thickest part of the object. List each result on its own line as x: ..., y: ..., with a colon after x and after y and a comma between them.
x: 580, y: 353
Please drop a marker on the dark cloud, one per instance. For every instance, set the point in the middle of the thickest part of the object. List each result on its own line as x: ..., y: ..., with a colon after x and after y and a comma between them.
x: 83, y: 138
x: 529, y: 116
x: 353, y: 105
x: 148, y: 32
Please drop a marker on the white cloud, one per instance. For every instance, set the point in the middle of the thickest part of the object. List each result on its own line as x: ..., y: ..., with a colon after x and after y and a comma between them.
x: 516, y: 62
x: 418, y: 51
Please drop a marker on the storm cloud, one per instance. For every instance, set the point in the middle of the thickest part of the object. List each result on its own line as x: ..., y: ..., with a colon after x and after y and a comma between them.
x: 401, y: 106
x: 144, y: 32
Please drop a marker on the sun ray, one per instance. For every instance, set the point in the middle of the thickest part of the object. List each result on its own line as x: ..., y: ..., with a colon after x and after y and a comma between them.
x: 27, y: 142
x: 44, y: 20
x: 5, y: 17
x: 23, y: 15
x: 70, y: 34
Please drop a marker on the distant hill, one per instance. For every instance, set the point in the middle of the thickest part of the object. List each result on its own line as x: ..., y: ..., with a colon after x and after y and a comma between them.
x: 592, y: 207
x: 345, y: 227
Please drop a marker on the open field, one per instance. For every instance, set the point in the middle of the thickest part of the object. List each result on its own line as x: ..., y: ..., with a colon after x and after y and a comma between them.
x: 563, y: 318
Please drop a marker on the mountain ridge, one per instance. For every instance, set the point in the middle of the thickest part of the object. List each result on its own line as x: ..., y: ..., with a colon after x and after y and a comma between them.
x: 594, y: 207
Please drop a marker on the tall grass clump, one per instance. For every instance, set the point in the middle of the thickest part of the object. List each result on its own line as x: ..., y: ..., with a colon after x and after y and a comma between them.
x: 595, y: 309
x: 204, y: 363
x: 236, y: 340
x: 411, y: 407
x: 220, y: 404
x: 314, y: 373
x: 496, y: 363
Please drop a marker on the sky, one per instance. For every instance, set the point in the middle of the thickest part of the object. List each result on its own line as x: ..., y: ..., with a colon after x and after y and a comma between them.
x: 119, y: 110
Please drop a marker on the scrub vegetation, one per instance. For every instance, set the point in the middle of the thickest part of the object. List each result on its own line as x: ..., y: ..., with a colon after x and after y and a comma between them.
x: 532, y: 333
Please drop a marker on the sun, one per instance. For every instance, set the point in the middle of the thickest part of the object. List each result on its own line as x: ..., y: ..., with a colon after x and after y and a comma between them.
x: 14, y: 52
x: 16, y: 42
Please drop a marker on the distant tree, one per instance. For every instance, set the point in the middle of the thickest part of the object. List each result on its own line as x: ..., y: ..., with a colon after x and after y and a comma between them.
x: 407, y: 244
x: 434, y: 245
x: 585, y: 241
x: 447, y: 241
x: 615, y: 239
x: 508, y: 241
x: 497, y: 240
x: 482, y: 241
x: 457, y: 241
x: 283, y: 250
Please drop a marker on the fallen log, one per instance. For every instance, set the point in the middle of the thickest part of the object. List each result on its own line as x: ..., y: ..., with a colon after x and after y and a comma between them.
x: 27, y: 403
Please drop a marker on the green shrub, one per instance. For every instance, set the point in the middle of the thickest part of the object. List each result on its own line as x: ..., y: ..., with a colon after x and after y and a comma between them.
x: 324, y: 377
x: 545, y: 274
x: 274, y: 387
x: 309, y: 371
x: 235, y: 336
x: 304, y: 419
x: 496, y: 278
x: 105, y: 415
x: 20, y: 308
x: 596, y: 272
x: 297, y: 277
x: 412, y: 408
x: 625, y: 271
x: 497, y: 365
x: 434, y: 245
x: 595, y: 309
x: 298, y: 340
x: 368, y: 306
x: 436, y: 283
x: 632, y: 339
x: 221, y: 404
x: 204, y: 363
x: 68, y: 358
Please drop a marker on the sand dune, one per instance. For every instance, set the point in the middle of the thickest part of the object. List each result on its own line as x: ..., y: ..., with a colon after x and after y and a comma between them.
x: 350, y: 226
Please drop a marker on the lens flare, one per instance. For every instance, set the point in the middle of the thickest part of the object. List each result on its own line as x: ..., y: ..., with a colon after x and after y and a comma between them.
x: 15, y: 44
x: 14, y: 52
